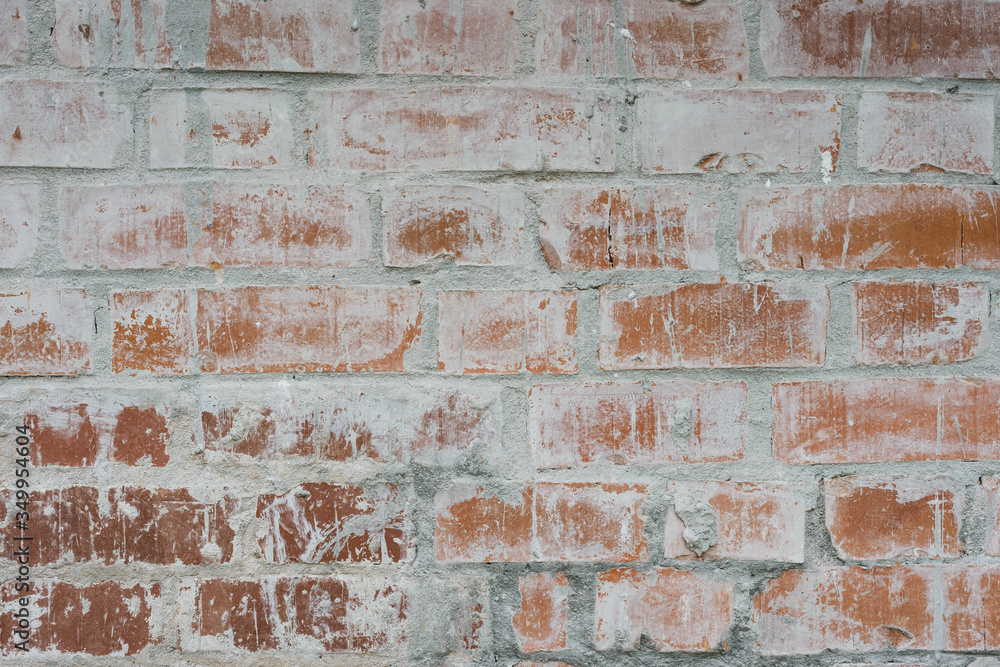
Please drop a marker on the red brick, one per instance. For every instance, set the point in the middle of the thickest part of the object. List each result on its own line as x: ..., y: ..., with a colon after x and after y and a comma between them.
x: 426, y: 427
x: 70, y: 616
x: 80, y: 524
x: 123, y: 226
x: 285, y: 226
x: 61, y: 124
x: 251, y: 129
x: 20, y: 219
x: 304, y: 614
x: 870, y: 227
x: 45, y: 332
x: 846, y: 609
x: 152, y: 332
x: 971, y: 607
x: 592, y: 229
x: 470, y: 226
x: 898, y: 419
x: 917, y: 322
x: 461, y: 129
x: 590, y: 522
x: 714, y: 325
x: 915, y: 132
x: 306, y: 328
x: 689, y: 131
x: 97, y: 33
x: 687, y: 41
x: 444, y: 37
x: 591, y: 423
x: 541, y: 620
x: 473, y: 524
x: 894, y: 517
x: 506, y: 332
x: 673, y: 609
x: 576, y: 38
x: 990, y: 494
x: 13, y: 32
x: 881, y: 38
x: 87, y: 426
x: 283, y: 35
x: 753, y: 521
x: 327, y: 523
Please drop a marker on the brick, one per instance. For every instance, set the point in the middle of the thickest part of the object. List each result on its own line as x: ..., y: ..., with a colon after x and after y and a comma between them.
x: 45, y: 332
x: 123, y: 226
x: 690, y: 42
x: 971, y: 607
x: 869, y: 227
x: 576, y: 38
x: 882, y: 38
x: 593, y: 423
x: 541, y: 620
x: 894, y: 517
x: 916, y: 132
x: 13, y: 32
x: 714, y: 325
x: 20, y: 219
x: 990, y: 496
x: 673, y: 609
x: 327, y: 523
x: 502, y: 331
x: 152, y: 332
x: 690, y: 131
x: 427, y: 427
x: 461, y: 129
x: 917, y: 322
x: 590, y: 522
x: 158, y: 526
x: 306, y: 614
x: 84, y: 427
x: 251, y: 129
x: 61, y: 124
x: 284, y: 36
x: 306, y: 328
x: 846, y: 609
x: 898, y: 419
x: 98, y: 34
x: 592, y: 229
x: 752, y: 521
x: 473, y: 524
x: 68, y: 614
x: 470, y: 226
x: 285, y: 226
x: 442, y: 37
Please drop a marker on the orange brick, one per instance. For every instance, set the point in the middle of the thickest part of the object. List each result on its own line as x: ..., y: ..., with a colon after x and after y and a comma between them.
x: 306, y: 328
x: 753, y: 521
x: 675, y: 610
x: 591, y: 522
x: 971, y: 607
x: 589, y: 423
x: 470, y: 226
x: 870, y: 227
x: 990, y: 495
x: 541, y: 620
x: 846, y: 609
x: 506, y: 332
x: 899, y: 419
x: 152, y: 332
x: 714, y: 325
x: 45, y: 332
x: 476, y: 525
x: 917, y: 322
x: 443, y: 37
x: 894, y: 517
x: 592, y: 229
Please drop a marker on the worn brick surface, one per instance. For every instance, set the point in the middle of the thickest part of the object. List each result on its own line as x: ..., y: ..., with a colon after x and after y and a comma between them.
x: 540, y: 622
x: 20, y: 220
x: 97, y: 33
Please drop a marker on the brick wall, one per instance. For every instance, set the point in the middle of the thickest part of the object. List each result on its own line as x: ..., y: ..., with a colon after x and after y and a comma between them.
x: 496, y: 332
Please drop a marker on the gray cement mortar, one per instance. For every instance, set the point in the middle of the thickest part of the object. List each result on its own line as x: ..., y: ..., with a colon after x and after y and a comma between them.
x: 211, y: 476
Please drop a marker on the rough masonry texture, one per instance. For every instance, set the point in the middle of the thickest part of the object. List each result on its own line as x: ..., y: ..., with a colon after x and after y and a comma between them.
x: 502, y: 332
